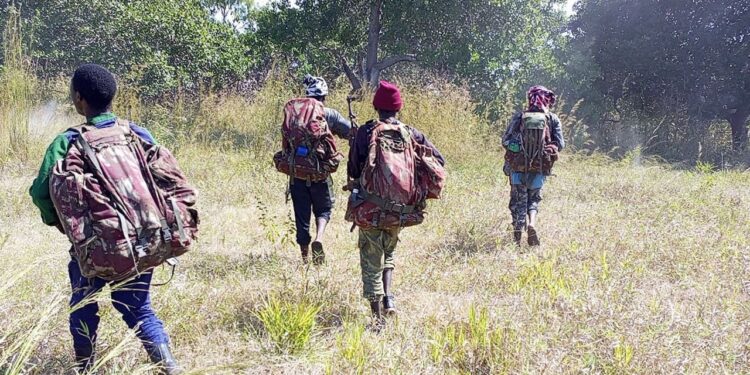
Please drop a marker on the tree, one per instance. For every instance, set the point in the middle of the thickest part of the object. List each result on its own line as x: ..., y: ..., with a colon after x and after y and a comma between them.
x: 487, y: 43
x: 232, y: 12
x: 666, y: 55
x: 153, y: 45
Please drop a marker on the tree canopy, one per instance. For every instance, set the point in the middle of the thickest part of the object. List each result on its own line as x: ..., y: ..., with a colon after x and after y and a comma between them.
x: 663, y: 70
x: 662, y: 56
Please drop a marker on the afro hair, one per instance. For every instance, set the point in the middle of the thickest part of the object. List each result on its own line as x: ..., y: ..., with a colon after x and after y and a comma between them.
x: 96, y: 85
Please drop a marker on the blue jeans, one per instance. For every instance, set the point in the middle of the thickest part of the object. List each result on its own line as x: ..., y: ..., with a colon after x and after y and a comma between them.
x: 131, y: 299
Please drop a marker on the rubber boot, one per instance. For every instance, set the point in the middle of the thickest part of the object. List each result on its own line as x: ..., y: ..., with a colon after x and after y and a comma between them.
x: 85, y: 359
x: 533, y: 236
x: 162, y: 356
x: 389, y: 306
x: 305, y: 250
x: 378, y: 322
x: 319, y: 256
x: 517, y: 234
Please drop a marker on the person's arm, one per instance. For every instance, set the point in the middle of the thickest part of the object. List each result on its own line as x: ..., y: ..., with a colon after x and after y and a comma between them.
x: 339, y: 125
x: 422, y: 140
x: 512, y: 129
x: 557, y: 134
x: 143, y: 133
x: 39, y: 190
x: 358, y: 152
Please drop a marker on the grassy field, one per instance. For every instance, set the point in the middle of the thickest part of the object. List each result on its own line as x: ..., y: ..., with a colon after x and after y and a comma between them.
x: 643, y: 268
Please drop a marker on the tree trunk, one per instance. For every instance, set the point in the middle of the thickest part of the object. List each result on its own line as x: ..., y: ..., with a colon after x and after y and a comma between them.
x: 373, y: 41
x: 738, y: 121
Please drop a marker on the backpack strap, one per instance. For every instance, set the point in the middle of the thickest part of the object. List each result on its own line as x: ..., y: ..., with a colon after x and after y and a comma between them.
x: 387, y: 206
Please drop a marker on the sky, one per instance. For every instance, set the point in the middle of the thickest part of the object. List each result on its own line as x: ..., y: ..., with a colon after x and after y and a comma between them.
x: 568, y: 7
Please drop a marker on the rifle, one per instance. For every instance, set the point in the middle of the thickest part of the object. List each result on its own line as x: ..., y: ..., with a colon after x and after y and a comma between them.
x: 352, y: 119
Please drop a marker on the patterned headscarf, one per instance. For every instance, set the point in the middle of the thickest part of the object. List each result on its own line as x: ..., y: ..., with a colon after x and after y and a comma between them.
x: 541, y: 97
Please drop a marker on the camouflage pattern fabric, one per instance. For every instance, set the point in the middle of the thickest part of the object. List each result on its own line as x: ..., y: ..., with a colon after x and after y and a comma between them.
x: 308, y: 147
x: 534, y: 138
x: 431, y: 174
x: 124, y: 204
x: 390, y: 175
x: 522, y: 201
x: 376, y: 249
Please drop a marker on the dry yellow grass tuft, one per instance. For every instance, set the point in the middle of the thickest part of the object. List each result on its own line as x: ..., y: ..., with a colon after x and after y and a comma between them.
x: 642, y: 267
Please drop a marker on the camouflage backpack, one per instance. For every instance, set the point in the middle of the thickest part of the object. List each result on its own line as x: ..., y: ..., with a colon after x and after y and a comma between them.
x: 124, y: 203
x: 536, y: 152
x: 399, y: 175
x: 308, y: 147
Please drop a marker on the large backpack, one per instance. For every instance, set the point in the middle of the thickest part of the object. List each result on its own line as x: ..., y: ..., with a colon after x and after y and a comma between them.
x: 125, y: 205
x: 537, y: 152
x: 308, y: 147
x: 398, y: 176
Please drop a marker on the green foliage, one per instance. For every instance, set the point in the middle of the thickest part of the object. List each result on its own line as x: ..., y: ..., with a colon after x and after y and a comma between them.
x: 681, y: 63
x: 353, y: 348
x: 542, y: 276
x: 289, y: 325
x: 476, y: 347
x: 155, y: 46
x: 489, y: 45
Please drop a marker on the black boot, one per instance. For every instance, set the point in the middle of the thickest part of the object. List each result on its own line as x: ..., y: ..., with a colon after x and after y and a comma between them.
x: 533, y: 237
x: 318, y: 255
x: 517, y: 233
x: 389, y: 306
x: 85, y: 359
x: 162, y: 356
x: 378, y: 323
x: 305, y: 250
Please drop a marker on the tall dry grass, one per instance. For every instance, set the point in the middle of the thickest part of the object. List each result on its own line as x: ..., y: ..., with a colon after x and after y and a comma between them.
x: 17, y: 88
x: 643, y: 268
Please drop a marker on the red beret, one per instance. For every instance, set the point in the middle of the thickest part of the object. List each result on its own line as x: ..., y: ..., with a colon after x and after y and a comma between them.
x: 387, y: 97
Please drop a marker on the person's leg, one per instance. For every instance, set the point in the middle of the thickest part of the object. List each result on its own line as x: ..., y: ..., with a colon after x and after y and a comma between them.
x: 84, y: 316
x: 518, y: 210
x: 133, y: 300
x: 390, y: 240
x: 534, y: 198
x: 371, y: 262
x: 302, y: 203
x: 322, y: 205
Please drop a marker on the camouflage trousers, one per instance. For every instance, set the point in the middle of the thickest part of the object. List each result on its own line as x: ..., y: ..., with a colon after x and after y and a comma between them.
x: 522, y: 201
x: 376, y: 254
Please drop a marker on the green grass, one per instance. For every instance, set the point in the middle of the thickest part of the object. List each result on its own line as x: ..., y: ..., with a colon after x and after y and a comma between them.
x: 289, y: 325
x: 643, y: 267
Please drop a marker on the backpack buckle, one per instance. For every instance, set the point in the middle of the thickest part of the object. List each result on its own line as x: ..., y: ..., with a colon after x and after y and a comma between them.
x: 395, y: 207
x: 166, y: 234
x: 141, y: 251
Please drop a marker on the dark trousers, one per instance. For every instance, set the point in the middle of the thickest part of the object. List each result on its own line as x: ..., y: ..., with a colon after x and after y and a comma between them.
x: 131, y: 299
x: 315, y: 199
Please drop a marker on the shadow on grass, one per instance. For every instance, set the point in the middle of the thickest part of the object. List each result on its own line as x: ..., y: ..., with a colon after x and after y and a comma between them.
x: 472, y: 240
